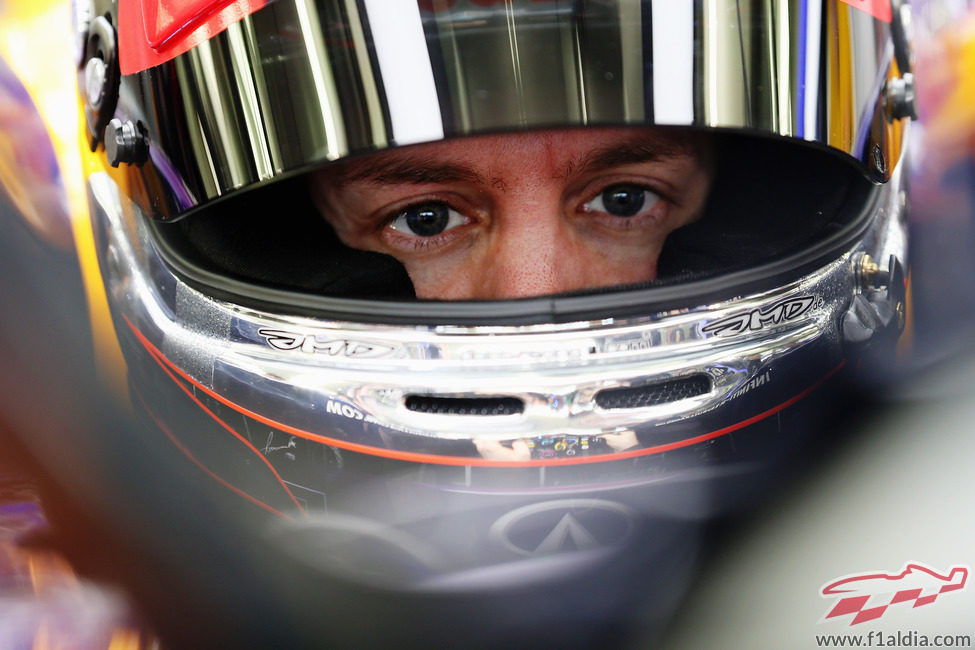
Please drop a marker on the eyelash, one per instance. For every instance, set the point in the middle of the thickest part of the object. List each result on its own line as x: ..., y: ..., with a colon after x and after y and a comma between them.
x: 420, y: 242
x: 642, y: 211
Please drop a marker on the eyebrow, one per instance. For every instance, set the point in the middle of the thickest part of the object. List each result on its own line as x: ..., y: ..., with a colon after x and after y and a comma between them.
x: 645, y: 149
x: 406, y: 169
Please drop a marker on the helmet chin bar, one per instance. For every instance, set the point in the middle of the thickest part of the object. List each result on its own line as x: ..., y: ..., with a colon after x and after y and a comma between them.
x: 616, y: 386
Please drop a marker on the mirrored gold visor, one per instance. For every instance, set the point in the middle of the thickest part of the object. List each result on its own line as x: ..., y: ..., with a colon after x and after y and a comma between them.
x: 303, y: 82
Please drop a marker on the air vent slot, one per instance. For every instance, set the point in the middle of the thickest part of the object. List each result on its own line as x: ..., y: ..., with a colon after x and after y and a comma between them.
x: 465, y: 405
x: 665, y: 392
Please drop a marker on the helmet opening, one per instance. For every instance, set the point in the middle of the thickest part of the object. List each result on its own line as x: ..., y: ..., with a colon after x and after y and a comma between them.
x: 775, y: 208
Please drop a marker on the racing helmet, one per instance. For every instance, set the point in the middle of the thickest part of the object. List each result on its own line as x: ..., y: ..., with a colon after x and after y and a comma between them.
x: 317, y: 387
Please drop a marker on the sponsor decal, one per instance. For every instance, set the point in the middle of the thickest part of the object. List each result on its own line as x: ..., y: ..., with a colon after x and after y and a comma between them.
x: 340, y: 408
x: 314, y: 344
x: 754, y: 382
x: 783, y: 311
x: 867, y: 596
x: 630, y: 345
x: 345, y: 410
x: 564, y: 526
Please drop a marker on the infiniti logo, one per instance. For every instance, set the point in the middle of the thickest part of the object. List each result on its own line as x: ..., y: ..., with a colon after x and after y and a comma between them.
x: 564, y: 526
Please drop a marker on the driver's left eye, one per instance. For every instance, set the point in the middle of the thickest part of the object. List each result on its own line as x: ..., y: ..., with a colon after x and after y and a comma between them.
x: 426, y: 220
x: 623, y: 200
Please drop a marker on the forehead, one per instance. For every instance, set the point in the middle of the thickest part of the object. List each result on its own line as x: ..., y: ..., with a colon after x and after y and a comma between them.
x: 565, y: 148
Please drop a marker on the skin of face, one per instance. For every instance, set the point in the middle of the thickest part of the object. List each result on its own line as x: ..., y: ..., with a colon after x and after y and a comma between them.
x: 525, y: 214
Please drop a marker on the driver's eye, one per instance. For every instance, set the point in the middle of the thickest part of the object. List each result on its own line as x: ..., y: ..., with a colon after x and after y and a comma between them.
x: 624, y: 200
x: 426, y: 220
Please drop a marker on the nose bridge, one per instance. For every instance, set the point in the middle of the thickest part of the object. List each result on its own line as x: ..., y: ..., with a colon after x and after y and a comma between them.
x: 531, y: 253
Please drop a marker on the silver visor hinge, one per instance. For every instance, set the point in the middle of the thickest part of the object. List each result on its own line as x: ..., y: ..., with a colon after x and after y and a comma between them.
x: 900, y: 95
x: 878, y: 309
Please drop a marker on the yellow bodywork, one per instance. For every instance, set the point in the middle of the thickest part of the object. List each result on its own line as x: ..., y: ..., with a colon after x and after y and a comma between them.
x: 35, y: 41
